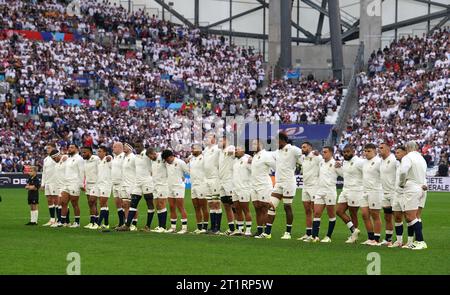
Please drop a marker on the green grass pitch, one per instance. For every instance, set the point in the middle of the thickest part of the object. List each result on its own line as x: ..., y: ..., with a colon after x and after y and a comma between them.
x: 41, y: 250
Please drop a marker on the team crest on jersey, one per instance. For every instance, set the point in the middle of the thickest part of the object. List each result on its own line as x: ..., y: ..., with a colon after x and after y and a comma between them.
x: 331, y: 165
x: 389, y: 161
x: 310, y: 159
x: 176, y: 164
x: 351, y: 164
x: 373, y: 163
x: 159, y: 161
x: 241, y: 162
x: 259, y: 157
x: 285, y: 151
x: 128, y: 160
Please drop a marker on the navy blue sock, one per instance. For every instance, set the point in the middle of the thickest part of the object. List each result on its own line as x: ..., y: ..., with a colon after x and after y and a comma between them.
x: 376, y: 237
x: 199, y: 226
x: 308, y: 231
x: 399, y: 229
x: 92, y: 220
x: 331, y: 224
x: 231, y: 226
x: 259, y: 230
x: 52, y: 211
x: 418, y: 231
x: 388, y: 236
x: 77, y: 219
x: 410, y: 230
x: 218, y: 220
x: 205, y: 225
x: 150, y: 214
x: 130, y: 217
x: 101, y: 217
x: 288, y: 228
x: 212, y: 219
x: 58, y: 214
x: 268, y: 230
x: 316, y: 227
x: 96, y: 218
x: 134, y: 222
x: 63, y: 219
x: 162, y: 219
x: 371, y: 236
x: 121, y: 214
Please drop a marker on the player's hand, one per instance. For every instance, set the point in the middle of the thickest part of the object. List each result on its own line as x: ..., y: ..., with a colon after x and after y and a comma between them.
x: 424, y: 187
x: 64, y: 158
x: 338, y: 164
x: 108, y: 158
x: 316, y: 153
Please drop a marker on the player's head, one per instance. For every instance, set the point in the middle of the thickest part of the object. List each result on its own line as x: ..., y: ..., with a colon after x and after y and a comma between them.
x: 256, y: 145
x: 370, y: 151
x: 55, y: 155
x: 32, y: 170
x: 73, y: 149
x: 411, y: 146
x: 306, y: 147
x: 223, y: 142
x: 86, y: 152
x: 139, y: 146
x: 117, y: 148
x: 168, y: 156
x: 400, y: 152
x: 102, y: 152
x: 349, y: 152
x: 384, y: 149
x: 210, y: 139
x: 151, y: 153
x: 50, y: 147
x: 127, y: 148
x: 283, y: 140
x: 240, y: 151
x: 196, y: 150
x: 327, y: 153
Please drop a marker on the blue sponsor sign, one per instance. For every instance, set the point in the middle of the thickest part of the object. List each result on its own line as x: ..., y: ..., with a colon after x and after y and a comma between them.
x: 294, y: 131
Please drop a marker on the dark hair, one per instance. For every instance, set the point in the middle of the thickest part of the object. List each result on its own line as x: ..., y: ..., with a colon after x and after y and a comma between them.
x: 54, y: 152
x: 349, y: 147
x: 370, y: 146
x: 283, y: 137
x: 166, y: 154
x: 385, y: 143
x: 74, y: 144
x: 103, y: 148
x: 328, y: 148
x: 307, y: 143
x: 52, y: 144
x: 87, y: 148
x: 401, y: 147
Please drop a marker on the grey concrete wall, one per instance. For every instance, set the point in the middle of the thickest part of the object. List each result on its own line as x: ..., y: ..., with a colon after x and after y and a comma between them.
x: 370, y: 26
x: 274, y: 32
x: 316, y: 59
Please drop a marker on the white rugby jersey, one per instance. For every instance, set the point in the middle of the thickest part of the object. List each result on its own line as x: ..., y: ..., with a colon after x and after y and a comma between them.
x: 116, y: 168
x: 211, y: 156
x: 104, y: 173
x: 91, y: 169
x: 352, y: 171
x: 60, y: 170
x: 413, y: 170
x: 159, y: 171
x: 175, y: 172
x: 241, y: 173
x: 388, y: 172
x: 197, y: 170
x: 286, y: 161
x: 48, y: 171
x: 371, y: 175
x: 226, y: 163
x: 327, y: 175
x: 310, y: 169
x: 74, y: 172
x: 129, y: 170
x: 262, y: 163
x: 143, y: 168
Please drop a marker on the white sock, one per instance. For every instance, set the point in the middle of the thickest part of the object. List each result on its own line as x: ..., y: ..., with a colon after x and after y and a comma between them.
x: 34, y: 216
x: 248, y: 227
x: 240, y: 224
x: 410, y: 240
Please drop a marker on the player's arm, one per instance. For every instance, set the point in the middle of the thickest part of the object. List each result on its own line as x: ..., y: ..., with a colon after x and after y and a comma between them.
x: 184, y: 167
x: 338, y: 168
x: 44, y: 175
x: 81, y: 173
x: 404, y: 168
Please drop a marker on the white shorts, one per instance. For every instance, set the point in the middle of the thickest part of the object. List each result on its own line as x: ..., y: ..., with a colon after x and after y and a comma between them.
x: 352, y: 198
x: 176, y: 192
x: 116, y: 188
x: 372, y: 200
x: 51, y: 190
x: 388, y: 199
x: 213, y: 186
x: 308, y: 194
x: 92, y: 189
x: 104, y: 191
x: 423, y: 200
x: 286, y: 189
x: 411, y: 199
x: 199, y: 191
x: 125, y: 193
x: 143, y: 189
x: 226, y: 189
x: 71, y: 189
x: 161, y: 192
x: 325, y: 198
x: 242, y: 196
x: 261, y: 194
x: 397, y: 202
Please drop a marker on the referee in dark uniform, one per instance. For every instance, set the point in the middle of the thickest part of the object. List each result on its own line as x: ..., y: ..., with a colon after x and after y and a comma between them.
x: 33, y: 185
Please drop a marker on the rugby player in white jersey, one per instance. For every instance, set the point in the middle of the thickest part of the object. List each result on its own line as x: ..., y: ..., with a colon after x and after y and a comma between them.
x: 226, y: 159
x: 325, y: 196
x: 128, y: 183
x: 310, y: 170
x: 176, y: 169
x: 49, y: 183
x: 262, y: 163
x: 211, y: 155
x: 116, y: 179
x: 413, y: 170
x: 73, y: 182
x: 372, y: 195
x: 91, y: 173
x: 350, y: 197
x: 388, y: 172
x: 103, y: 186
x: 286, y: 158
x: 60, y: 169
x: 400, y: 152
x: 198, y: 189
x: 161, y: 192
x: 241, y: 192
